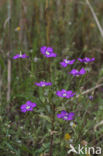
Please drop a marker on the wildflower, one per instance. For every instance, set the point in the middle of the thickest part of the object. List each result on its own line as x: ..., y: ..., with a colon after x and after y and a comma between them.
x: 47, y: 51
x: 64, y: 93
x: 17, y: 29
x: 66, y: 62
x: 67, y: 136
x: 92, y: 25
x: 62, y: 114
x: 72, y: 124
x: 69, y: 116
x: 91, y: 97
x: 75, y: 72
x: 28, y: 106
x: 86, y: 60
x: 43, y: 84
x: 66, y: 116
x: 20, y: 56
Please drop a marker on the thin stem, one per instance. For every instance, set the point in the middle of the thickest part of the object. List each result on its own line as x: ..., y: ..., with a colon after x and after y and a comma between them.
x: 10, y: 51
x: 52, y: 131
x: 95, y: 17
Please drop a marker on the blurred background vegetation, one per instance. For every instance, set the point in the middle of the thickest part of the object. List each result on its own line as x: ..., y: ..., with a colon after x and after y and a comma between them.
x: 69, y: 27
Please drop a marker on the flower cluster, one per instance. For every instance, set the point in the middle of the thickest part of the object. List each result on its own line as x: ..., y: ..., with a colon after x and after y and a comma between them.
x: 66, y: 116
x: 64, y: 93
x: 48, y: 52
x: 28, y: 106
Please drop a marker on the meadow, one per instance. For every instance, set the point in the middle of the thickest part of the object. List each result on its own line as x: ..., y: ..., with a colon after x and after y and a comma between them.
x: 51, y: 77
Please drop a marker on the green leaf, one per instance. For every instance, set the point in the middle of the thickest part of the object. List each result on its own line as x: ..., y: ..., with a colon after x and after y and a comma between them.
x: 2, y: 63
x: 46, y: 118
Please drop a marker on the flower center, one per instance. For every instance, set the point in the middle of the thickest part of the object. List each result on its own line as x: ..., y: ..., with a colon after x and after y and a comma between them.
x: 27, y: 107
x: 66, y: 61
x: 64, y: 94
x: 43, y: 85
x: 47, y: 53
x: 20, y: 54
x: 65, y: 117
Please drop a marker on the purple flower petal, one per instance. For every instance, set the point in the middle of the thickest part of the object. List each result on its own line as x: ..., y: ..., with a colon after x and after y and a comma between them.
x: 63, y: 64
x: 82, y: 71
x: 74, y: 72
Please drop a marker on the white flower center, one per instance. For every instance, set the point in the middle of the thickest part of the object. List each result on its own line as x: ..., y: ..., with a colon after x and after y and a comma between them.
x: 65, y: 117
x: 66, y: 61
x: 47, y: 53
x: 27, y: 107
x: 20, y: 54
x: 43, y: 85
x: 64, y: 94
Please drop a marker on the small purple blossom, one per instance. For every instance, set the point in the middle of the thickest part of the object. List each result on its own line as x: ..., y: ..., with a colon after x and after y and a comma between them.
x: 66, y: 62
x: 75, y: 72
x: 20, y: 56
x: 91, y: 97
x: 66, y: 116
x: 28, y: 106
x: 86, y: 60
x: 47, y: 51
x: 61, y: 115
x: 43, y: 84
x: 64, y: 93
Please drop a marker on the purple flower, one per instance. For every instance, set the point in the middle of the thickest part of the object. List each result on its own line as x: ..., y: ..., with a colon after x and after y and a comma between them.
x: 28, y: 106
x: 43, y: 84
x: 47, y: 51
x: 91, y: 97
x: 66, y: 116
x: 75, y: 72
x: 86, y: 60
x: 20, y: 56
x: 64, y: 93
x: 66, y: 62
x: 62, y: 114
